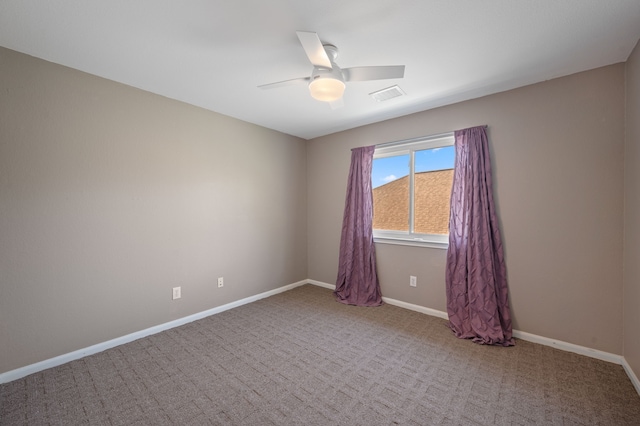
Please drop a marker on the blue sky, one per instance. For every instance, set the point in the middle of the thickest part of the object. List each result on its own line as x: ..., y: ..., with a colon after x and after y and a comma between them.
x: 391, y: 168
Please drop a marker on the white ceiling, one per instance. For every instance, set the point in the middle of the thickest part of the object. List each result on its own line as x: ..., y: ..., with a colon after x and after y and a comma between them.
x: 214, y: 53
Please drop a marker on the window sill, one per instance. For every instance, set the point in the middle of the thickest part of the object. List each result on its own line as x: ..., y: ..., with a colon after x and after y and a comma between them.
x: 416, y: 242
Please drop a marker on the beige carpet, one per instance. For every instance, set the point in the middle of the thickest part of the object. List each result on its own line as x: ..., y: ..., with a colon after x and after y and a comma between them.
x: 299, y: 358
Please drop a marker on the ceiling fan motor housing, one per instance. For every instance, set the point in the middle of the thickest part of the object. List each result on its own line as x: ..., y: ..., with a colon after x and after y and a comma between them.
x: 327, y: 84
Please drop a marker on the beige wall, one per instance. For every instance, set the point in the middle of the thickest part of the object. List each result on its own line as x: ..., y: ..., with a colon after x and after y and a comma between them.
x: 557, y: 153
x: 632, y: 214
x: 110, y: 196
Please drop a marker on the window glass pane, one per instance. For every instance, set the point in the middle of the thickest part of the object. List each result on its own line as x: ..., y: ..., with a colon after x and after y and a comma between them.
x: 390, y: 181
x: 432, y: 189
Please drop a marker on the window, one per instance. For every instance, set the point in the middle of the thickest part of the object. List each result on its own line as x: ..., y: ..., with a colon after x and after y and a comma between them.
x: 411, y: 183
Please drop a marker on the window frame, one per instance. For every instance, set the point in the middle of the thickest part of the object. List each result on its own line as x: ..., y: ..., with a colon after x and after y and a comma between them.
x: 404, y: 147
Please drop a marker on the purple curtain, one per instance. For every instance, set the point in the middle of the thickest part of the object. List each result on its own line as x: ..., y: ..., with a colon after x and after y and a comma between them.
x: 357, y: 282
x: 477, y: 293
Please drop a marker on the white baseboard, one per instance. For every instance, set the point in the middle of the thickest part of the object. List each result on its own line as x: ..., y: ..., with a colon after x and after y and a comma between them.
x: 71, y: 356
x: 321, y: 284
x: 631, y: 374
x: 417, y: 308
x: 568, y: 347
x: 62, y: 359
x: 558, y: 344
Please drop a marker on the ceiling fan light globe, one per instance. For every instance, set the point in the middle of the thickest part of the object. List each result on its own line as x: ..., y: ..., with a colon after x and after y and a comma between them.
x: 326, y: 89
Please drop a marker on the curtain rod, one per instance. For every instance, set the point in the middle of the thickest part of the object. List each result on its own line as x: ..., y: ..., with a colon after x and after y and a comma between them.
x: 420, y: 138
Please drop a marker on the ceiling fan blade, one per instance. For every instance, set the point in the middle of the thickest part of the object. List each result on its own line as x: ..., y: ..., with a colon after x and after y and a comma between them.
x: 313, y: 48
x: 373, y: 73
x: 284, y: 83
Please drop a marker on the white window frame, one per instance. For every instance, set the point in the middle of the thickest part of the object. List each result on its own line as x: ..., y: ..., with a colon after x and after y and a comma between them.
x: 410, y: 146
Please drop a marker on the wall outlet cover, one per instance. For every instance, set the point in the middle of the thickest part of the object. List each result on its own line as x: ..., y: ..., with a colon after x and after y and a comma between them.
x: 177, y: 293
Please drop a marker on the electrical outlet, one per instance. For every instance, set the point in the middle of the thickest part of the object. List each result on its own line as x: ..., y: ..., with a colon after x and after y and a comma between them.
x: 220, y: 282
x: 413, y: 281
x: 177, y: 293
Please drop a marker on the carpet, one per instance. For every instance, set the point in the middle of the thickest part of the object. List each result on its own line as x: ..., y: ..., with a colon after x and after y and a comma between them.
x: 300, y: 358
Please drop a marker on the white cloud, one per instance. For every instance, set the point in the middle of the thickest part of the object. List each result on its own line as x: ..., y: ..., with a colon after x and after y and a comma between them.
x: 389, y: 178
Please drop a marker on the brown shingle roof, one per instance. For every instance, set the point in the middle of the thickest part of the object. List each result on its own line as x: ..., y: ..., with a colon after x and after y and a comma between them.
x: 433, y: 190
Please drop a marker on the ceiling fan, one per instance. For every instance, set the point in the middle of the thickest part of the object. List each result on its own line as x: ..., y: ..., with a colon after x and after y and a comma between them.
x: 327, y: 80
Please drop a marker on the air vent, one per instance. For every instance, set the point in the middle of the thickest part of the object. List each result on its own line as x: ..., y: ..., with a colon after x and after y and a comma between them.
x: 386, y: 94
